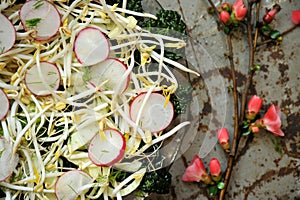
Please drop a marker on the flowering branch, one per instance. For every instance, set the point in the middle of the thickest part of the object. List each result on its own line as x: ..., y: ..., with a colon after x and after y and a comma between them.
x: 245, y: 117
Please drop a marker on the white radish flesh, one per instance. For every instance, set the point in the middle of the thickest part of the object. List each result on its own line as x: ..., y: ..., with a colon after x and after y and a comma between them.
x: 41, y: 16
x: 111, y: 70
x: 8, y: 161
x: 50, y: 74
x: 69, y: 185
x: 7, y: 34
x: 4, y: 104
x: 155, y: 115
x: 91, y: 46
x: 107, y: 147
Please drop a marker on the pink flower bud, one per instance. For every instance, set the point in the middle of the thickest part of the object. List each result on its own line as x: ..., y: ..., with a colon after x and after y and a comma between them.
x: 270, y: 14
x: 296, y: 17
x: 239, y: 10
x: 215, y: 167
x: 271, y: 121
x: 254, y: 106
x: 196, y: 172
x: 254, y: 129
x: 225, y: 17
x: 223, y: 138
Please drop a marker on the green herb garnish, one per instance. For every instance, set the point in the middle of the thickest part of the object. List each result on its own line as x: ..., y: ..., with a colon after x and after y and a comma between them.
x: 33, y: 22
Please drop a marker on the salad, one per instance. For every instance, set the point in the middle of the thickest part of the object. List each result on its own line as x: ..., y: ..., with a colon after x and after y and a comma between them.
x: 83, y: 92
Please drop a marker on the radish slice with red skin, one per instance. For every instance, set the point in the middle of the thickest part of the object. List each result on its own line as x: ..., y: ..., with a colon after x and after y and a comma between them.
x: 111, y: 69
x: 8, y: 161
x: 107, y: 148
x: 41, y: 16
x: 4, y: 104
x: 7, y: 34
x: 68, y: 186
x: 91, y: 46
x: 155, y: 116
x: 34, y: 82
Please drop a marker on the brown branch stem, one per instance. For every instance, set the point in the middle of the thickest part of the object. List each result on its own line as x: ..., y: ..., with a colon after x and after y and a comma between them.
x: 282, y: 34
x: 256, y: 29
x: 236, y: 121
x: 250, y: 64
x: 238, y: 117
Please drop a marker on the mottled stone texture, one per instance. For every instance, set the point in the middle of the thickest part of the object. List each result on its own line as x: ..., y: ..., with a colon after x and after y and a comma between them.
x: 260, y: 172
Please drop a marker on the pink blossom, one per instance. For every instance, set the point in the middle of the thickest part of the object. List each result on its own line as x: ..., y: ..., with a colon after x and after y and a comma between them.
x: 223, y: 138
x: 254, y: 106
x: 271, y: 121
x: 225, y: 17
x: 296, y: 17
x: 239, y: 10
x: 196, y: 172
x: 215, y: 167
x: 270, y: 14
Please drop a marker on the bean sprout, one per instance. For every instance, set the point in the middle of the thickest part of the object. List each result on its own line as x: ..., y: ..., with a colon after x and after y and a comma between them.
x: 50, y: 134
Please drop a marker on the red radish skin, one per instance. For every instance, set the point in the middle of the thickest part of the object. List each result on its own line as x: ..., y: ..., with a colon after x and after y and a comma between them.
x: 4, y: 104
x: 50, y: 20
x: 51, y: 76
x: 7, y: 34
x: 108, y: 150
x: 155, y: 116
x: 111, y: 69
x: 91, y: 46
x: 67, y: 186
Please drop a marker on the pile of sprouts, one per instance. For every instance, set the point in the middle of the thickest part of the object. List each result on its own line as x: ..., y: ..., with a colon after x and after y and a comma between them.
x: 45, y: 137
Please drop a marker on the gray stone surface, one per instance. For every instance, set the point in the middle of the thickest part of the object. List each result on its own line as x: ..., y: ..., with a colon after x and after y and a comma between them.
x: 260, y: 171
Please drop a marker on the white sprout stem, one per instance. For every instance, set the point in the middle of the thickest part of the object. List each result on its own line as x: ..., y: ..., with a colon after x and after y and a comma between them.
x: 70, y: 9
x: 39, y: 158
x: 175, y: 64
x: 28, y: 125
x: 8, y: 87
x: 22, y: 188
x: 5, y: 130
x: 29, y: 163
x: 163, y: 137
x: 141, y: 172
x: 130, y: 122
x: 141, y: 110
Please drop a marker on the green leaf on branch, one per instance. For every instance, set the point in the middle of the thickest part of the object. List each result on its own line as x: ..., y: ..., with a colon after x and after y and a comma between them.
x: 274, y: 34
x: 266, y: 28
x: 246, y: 125
x: 246, y: 133
x: 213, y: 190
x: 226, y: 30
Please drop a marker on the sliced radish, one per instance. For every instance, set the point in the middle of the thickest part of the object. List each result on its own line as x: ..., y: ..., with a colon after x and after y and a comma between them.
x: 7, y: 34
x: 111, y: 69
x: 91, y: 46
x: 34, y: 82
x: 41, y: 16
x: 70, y: 185
x: 155, y: 115
x: 8, y: 161
x: 4, y: 104
x: 107, y: 147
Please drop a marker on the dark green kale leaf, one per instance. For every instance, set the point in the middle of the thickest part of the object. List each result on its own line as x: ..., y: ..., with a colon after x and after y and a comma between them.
x: 158, y: 181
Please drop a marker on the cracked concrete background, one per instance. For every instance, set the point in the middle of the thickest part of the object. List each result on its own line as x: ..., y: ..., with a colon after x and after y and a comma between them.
x: 260, y: 172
